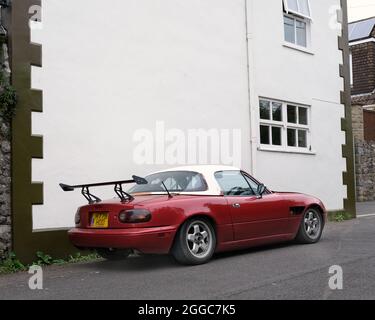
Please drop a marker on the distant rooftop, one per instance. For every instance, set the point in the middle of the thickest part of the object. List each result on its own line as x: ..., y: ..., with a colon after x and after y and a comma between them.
x: 359, y: 30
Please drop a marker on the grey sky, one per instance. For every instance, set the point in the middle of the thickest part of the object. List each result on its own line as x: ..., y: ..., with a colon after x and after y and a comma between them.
x: 361, y: 9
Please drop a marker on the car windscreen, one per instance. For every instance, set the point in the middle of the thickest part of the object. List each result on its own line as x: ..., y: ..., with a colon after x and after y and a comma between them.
x: 175, y: 181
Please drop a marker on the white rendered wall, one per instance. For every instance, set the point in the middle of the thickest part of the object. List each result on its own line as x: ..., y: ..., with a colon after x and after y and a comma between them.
x: 113, y: 67
x: 279, y: 72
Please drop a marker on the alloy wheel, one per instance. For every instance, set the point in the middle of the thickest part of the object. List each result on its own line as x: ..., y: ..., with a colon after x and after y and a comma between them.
x: 199, y: 239
x: 312, y: 224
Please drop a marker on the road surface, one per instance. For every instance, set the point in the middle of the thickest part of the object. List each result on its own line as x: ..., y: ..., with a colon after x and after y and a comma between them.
x: 285, y: 271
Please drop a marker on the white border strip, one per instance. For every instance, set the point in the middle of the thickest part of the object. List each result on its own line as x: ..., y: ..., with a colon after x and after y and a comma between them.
x: 361, y: 41
x: 366, y: 215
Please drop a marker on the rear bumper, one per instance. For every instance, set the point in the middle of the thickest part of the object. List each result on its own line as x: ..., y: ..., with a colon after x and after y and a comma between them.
x: 146, y: 240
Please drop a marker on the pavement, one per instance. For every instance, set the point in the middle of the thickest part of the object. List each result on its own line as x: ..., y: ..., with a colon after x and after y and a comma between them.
x: 365, y: 208
x: 286, y: 271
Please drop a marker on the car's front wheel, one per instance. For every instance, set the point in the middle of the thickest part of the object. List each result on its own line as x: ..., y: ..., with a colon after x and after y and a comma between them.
x: 113, y: 254
x: 195, y: 242
x: 311, y: 227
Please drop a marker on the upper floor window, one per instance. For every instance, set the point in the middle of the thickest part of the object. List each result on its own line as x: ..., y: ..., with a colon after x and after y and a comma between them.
x: 297, y: 18
x: 284, y: 126
x: 298, y: 7
x: 295, y: 31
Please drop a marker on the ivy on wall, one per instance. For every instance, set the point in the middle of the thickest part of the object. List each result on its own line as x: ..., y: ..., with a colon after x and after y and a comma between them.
x: 8, y: 100
x: 8, y: 97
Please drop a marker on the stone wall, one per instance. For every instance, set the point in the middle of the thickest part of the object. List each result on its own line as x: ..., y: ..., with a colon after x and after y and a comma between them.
x: 5, y: 187
x: 357, y: 119
x: 364, y: 157
x: 365, y: 170
x: 5, y: 162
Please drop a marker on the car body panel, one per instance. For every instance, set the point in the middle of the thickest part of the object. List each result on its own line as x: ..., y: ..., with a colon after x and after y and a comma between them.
x: 259, y: 217
x: 239, y: 221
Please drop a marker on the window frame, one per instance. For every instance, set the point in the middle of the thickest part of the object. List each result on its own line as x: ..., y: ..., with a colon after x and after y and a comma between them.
x: 240, y: 173
x: 258, y: 183
x: 307, y: 31
x: 245, y: 176
x: 297, y: 13
x: 285, y: 125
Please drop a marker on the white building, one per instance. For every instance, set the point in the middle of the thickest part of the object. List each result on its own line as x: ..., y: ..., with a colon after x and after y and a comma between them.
x: 115, y: 74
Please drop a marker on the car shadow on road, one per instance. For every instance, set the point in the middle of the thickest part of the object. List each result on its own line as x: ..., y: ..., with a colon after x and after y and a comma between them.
x: 159, y: 262
x: 137, y: 263
x: 253, y: 250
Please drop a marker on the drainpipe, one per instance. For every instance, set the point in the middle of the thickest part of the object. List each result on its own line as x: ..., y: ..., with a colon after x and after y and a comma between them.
x: 251, y: 90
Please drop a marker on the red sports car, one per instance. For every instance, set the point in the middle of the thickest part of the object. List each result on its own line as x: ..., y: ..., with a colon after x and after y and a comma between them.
x: 193, y: 212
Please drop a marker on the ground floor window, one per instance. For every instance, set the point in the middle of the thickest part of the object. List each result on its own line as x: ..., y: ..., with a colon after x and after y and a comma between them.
x: 284, y: 125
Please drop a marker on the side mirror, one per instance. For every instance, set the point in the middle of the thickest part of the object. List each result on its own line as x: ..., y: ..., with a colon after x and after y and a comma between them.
x: 261, y: 190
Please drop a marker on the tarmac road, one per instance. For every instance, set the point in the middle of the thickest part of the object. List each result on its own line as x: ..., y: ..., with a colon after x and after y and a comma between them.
x: 285, y: 271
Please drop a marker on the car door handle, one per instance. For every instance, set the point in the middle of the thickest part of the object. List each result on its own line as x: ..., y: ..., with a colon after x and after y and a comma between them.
x: 236, y: 205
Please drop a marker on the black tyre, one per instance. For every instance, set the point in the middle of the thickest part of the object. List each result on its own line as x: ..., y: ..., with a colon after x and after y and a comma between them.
x: 195, y: 242
x: 311, y: 227
x: 113, y: 254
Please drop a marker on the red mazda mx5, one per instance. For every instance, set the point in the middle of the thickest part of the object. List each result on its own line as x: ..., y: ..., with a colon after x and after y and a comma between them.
x: 193, y: 212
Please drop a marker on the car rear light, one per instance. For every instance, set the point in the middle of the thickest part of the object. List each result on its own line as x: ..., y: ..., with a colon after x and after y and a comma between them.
x: 77, y: 218
x: 134, y: 216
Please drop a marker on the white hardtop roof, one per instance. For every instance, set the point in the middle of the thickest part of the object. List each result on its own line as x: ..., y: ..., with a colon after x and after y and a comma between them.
x: 203, y: 169
x: 208, y: 172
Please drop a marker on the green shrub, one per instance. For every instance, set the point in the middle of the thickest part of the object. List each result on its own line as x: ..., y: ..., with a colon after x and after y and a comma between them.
x: 11, y: 264
x: 43, y: 259
x: 339, y: 217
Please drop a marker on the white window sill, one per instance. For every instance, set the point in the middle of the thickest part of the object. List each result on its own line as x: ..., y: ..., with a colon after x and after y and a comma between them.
x: 287, y: 150
x: 298, y: 48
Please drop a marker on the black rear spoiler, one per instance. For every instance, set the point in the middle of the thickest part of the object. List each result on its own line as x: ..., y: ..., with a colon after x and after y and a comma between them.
x: 118, y: 189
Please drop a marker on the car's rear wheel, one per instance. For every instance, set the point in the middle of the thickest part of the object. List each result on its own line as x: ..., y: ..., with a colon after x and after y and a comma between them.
x: 195, y: 242
x: 113, y: 254
x: 311, y: 228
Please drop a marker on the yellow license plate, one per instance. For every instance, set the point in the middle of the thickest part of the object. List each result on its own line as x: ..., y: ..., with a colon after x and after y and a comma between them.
x: 99, y: 220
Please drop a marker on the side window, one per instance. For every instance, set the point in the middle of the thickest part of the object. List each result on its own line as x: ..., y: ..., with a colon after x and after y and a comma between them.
x: 254, y: 186
x: 233, y: 183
